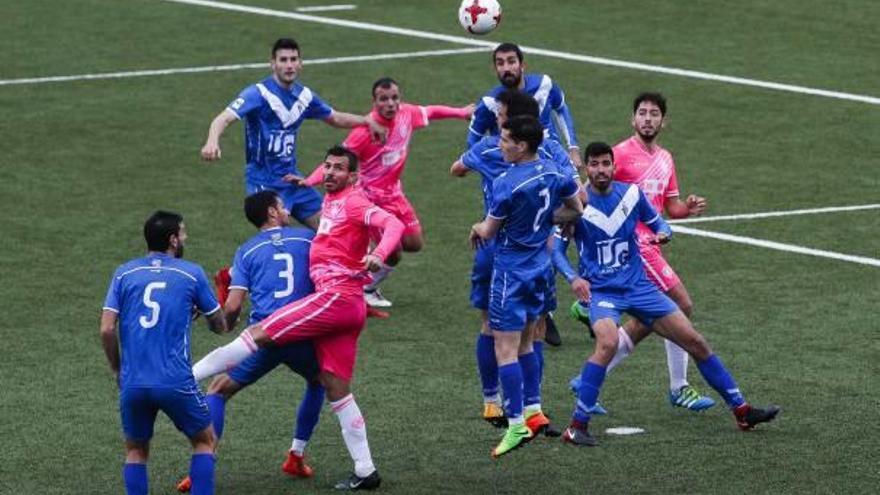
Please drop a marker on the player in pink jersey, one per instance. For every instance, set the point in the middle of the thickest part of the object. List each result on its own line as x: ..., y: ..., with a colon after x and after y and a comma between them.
x: 382, y: 165
x: 641, y: 161
x: 334, y: 315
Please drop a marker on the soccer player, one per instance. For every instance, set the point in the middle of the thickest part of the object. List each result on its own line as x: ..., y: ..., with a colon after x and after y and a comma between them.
x: 273, y: 110
x: 507, y: 59
x: 382, y: 164
x: 612, y: 280
x: 272, y: 268
x: 640, y: 160
x: 333, y: 317
x: 486, y: 159
x: 521, y: 214
x: 153, y: 298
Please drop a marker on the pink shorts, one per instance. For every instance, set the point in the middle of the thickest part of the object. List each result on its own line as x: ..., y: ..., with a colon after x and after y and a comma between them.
x: 331, y: 320
x: 402, y: 209
x: 659, y: 272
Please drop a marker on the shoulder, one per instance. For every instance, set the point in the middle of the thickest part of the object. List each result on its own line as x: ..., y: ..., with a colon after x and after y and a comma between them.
x: 298, y: 233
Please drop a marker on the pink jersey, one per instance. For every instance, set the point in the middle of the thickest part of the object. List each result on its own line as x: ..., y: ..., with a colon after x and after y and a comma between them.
x: 653, y: 172
x: 381, y: 165
x: 343, y: 239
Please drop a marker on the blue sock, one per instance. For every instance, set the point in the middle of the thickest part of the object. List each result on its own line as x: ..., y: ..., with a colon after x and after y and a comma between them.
x: 512, y: 385
x: 487, y: 364
x: 538, y: 346
x: 531, y: 371
x: 217, y: 409
x: 309, y: 411
x: 592, y: 377
x: 135, y: 478
x: 201, y: 471
x: 717, y: 376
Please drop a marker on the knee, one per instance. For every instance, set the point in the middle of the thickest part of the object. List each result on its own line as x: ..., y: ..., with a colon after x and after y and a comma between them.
x: 687, y: 307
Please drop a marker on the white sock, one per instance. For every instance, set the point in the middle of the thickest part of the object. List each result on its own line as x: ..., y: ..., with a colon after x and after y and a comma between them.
x: 225, y: 358
x: 677, y: 360
x: 298, y: 446
x: 379, y: 276
x: 354, y: 432
x: 494, y: 399
x: 624, y: 347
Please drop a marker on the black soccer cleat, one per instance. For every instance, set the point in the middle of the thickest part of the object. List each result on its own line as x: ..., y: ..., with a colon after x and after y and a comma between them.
x: 551, y: 334
x: 747, y: 417
x: 355, y: 482
x: 580, y: 437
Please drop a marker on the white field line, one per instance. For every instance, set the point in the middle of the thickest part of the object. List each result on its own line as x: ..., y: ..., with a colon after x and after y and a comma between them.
x: 771, y: 214
x: 462, y: 40
x: 778, y: 246
x: 326, y: 8
x: 220, y: 68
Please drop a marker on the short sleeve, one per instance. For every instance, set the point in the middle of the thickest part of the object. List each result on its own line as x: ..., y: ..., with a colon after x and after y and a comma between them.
x: 205, y: 301
x: 240, y: 273
x: 111, y: 301
x: 473, y: 157
x: 317, y: 108
x: 568, y: 187
x: 247, y: 101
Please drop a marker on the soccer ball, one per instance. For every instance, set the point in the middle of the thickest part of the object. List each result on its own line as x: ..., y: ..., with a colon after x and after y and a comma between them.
x: 479, y: 16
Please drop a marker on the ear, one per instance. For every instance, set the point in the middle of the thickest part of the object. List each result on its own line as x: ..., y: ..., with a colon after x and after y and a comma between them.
x: 353, y: 177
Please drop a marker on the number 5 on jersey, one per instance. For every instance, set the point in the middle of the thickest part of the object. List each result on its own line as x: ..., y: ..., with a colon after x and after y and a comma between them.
x: 152, y: 305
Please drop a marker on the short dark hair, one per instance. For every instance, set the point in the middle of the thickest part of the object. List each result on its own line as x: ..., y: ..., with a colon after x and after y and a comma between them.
x: 597, y: 148
x: 526, y: 128
x: 339, y: 150
x: 159, y: 228
x: 507, y: 47
x: 384, y: 83
x: 256, y: 206
x: 653, y: 97
x: 284, y: 44
x: 518, y: 103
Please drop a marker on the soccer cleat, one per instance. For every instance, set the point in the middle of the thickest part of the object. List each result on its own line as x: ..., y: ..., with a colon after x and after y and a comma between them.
x: 688, y: 398
x: 747, y: 417
x: 539, y: 423
x: 184, y: 485
x: 377, y: 313
x: 375, y: 299
x: 355, y: 482
x: 222, y: 279
x: 494, y: 415
x: 581, y: 314
x: 551, y: 334
x: 515, y: 437
x: 579, y: 436
x: 295, y: 466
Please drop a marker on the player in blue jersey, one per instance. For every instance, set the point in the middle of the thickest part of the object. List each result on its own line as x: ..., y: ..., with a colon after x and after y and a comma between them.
x: 507, y: 59
x: 272, y: 268
x: 273, y: 111
x: 612, y: 281
x: 486, y: 159
x: 152, y: 298
x: 520, y: 218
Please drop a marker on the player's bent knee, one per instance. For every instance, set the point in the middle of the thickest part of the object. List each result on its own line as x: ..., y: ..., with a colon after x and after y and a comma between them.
x: 204, y: 441
x: 336, y: 388
x: 137, y: 452
x: 261, y: 338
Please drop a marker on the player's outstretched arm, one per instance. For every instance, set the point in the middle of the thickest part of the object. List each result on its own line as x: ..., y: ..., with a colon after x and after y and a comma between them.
x: 211, y: 148
x: 345, y: 120
x: 441, y: 112
x: 109, y: 341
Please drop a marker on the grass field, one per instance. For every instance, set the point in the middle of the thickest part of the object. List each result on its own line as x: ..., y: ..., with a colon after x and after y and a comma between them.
x: 85, y: 161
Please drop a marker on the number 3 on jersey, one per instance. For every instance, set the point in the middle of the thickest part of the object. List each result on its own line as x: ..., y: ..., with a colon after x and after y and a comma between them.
x: 544, y: 193
x: 286, y: 274
x: 152, y: 305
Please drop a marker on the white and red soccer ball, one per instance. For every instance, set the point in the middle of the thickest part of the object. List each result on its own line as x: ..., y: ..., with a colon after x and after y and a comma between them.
x: 479, y: 16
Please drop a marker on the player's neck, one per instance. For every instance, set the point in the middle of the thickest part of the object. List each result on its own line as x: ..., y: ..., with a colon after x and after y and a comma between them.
x: 600, y: 192
x: 525, y: 159
x: 270, y: 226
x: 168, y: 254
x: 649, y: 145
x: 283, y: 84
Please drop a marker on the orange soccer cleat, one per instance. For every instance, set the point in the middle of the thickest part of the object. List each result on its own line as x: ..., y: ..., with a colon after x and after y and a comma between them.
x: 295, y: 466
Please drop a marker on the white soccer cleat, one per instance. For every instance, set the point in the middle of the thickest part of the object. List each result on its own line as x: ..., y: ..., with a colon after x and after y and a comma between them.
x: 375, y: 299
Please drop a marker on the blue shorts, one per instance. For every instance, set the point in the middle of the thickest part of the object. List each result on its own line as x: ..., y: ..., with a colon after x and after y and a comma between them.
x: 300, y: 357
x: 302, y: 202
x: 185, y: 405
x: 515, y: 298
x: 550, y: 292
x: 481, y: 275
x: 643, y: 301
